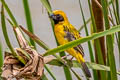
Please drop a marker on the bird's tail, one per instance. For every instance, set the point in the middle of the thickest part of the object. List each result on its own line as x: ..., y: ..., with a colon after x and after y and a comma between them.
x: 85, y: 69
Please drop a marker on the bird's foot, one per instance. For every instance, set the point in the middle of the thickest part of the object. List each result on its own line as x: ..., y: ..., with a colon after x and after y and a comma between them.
x: 65, y: 56
x: 71, y: 58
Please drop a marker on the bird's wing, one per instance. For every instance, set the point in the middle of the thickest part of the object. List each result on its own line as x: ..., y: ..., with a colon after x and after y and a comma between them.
x: 71, y: 35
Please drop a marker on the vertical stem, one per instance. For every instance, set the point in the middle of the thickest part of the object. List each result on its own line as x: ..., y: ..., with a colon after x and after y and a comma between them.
x: 97, y: 44
x: 118, y: 15
x: 9, y: 13
x: 98, y: 15
x: 109, y: 42
x: 117, y: 9
x: 28, y: 19
x: 89, y: 43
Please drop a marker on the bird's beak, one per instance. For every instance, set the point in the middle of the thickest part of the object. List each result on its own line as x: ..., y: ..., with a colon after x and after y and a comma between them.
x: 53, y: 16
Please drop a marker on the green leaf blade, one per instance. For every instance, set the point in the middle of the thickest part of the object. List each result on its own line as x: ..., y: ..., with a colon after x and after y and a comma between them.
x: 28, y: 19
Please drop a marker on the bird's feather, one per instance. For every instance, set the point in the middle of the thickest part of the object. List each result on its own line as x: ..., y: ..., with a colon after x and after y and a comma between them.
x: 71, y: 36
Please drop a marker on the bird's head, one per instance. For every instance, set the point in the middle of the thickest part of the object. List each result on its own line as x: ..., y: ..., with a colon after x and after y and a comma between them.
x: 58, y: 16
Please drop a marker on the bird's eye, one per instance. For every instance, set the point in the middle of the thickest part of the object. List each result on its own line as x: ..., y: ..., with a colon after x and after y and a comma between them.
x: 59, y: 17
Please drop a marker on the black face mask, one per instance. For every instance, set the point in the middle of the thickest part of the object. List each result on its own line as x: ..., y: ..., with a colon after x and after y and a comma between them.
x: 57, y: 18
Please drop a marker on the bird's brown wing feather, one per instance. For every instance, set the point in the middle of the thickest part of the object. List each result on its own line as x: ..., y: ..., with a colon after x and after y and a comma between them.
x: 71, y: 35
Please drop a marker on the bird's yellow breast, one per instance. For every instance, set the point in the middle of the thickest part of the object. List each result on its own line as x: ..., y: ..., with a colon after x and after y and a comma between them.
x: 59, y: 33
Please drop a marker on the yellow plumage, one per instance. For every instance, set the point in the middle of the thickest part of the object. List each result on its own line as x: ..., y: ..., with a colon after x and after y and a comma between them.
x: 59, y: 32
x: 65, y: 32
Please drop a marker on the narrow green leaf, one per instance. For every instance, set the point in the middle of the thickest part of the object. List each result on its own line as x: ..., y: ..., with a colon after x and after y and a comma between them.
x: 86, y: 22
x: 109, y: 42
x: 115, y: 14
x: 28, y: 19
x: 117, y: 9
x: 35, y: 38
x: 82, y: 40
x: 49, y: 72
x: 9, y: 13
x: 7, y: 38
x: 67, y: 73
x: 47, y: 5
x: 117, y: 36
x: 108, y: 74
x: 97, y: 43
x: 89, y: 43
x: 93, y: 66
x: 118, y: 41
x: 14, y: 22
x: 118, y: 16
x: 76, y: 74
x: 24, y: 53
x: 44, y: 77
x: 76, y: 64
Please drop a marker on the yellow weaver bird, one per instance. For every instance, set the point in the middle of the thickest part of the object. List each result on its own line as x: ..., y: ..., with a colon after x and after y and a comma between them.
x: 66, y: 32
